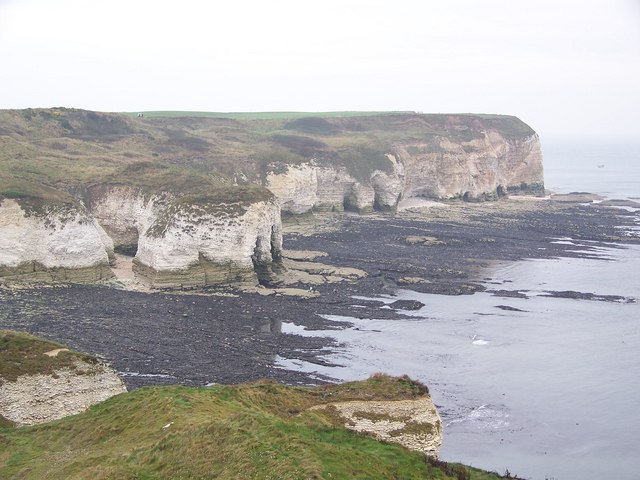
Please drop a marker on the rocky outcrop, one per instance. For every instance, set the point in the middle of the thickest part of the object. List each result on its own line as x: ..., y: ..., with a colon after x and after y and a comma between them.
x: 183, y: 194
x: 439, y: 167
x: 206, y: 244
x: 481, y: 168
x: 177, y: 241
x: 192, y: 241
x: 309, y: 186
x: 124, y: 212
x: 51, y: 242
x: 295, y: 186
x: 41, y: 380
x: 414, y: 424
x: 40, y: 398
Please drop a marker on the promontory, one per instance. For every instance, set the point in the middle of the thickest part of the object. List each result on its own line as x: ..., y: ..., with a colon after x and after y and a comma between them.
x: 198, y: 200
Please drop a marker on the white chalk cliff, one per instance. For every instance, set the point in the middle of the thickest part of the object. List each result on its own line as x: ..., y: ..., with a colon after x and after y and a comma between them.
x: 64, y: 243
x: 40, y: 398
x: 170, y: 197
x: 183, y: 243
x: 415, y: 424
x: 176, y: 242
x: 481, y: 168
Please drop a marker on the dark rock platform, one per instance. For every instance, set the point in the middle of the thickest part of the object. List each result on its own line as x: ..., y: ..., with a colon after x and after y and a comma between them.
x: 227, y: 336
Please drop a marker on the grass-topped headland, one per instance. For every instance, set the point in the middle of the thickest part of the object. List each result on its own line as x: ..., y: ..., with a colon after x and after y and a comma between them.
x: 24, y: 354
x: 262, y: 430
x: 51, y: 153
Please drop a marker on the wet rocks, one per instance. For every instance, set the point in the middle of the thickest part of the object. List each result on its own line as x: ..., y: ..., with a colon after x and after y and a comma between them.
x: 407, y: 305
x: 509, y: 308
x: 422, y: 240
x: 589, y: 296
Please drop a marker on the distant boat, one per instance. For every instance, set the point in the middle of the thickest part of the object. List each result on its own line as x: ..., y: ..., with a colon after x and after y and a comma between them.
x: 601, y: 165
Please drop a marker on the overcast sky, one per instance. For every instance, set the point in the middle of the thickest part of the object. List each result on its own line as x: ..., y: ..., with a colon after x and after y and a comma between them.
x: 564, y: 67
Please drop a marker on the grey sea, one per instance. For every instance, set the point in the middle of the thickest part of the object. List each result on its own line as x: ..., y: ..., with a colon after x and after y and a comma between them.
x: 546, y: 387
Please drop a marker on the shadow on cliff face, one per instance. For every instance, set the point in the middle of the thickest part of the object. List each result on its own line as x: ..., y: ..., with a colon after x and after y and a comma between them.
x: 267, y: 261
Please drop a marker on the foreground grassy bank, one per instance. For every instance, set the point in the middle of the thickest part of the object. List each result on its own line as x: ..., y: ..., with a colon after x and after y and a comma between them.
x: 262, y: 430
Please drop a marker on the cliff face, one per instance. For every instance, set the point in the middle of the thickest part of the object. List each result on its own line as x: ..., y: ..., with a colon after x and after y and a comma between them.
x: 306, y: 187
x: 205, y: 244
x: 124, y: 212
x: 63, y: 243
x: 42, y: 380
x: 441, y: 168
x: 415, y: 424
x: 177, y: 241
x: 481, y: 168
x: 191, y: 241
x: 187, y: 196
x: 42, y: 398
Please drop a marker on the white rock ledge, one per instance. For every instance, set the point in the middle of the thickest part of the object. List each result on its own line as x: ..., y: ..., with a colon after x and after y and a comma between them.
x: 42, y: 398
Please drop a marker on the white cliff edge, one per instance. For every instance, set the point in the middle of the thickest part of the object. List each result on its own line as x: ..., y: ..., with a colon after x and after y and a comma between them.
x: 482, y: 168
x: 414, y: 424
x: 40, y: 398
x: 188, y: 244
x: 59, y: 244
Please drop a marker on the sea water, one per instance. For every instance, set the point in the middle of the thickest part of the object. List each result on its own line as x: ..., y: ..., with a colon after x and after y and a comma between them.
x: 548, y: 388
x: 608, y: 168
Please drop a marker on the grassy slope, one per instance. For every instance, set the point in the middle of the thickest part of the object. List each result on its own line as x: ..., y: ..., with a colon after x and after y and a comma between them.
x: 47, y: 152
x: 259, y: 430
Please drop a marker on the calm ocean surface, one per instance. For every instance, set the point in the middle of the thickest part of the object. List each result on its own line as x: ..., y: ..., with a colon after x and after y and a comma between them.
x: 552, y: 391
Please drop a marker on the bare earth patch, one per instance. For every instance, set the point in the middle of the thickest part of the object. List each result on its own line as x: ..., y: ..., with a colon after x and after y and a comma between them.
x: 55, y: 352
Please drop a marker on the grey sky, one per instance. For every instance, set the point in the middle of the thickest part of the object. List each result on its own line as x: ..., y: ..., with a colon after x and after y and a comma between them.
x: 564, y: 67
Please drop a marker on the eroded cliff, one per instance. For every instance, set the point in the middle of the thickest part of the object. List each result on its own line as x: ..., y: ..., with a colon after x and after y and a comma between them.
x: 226, y: 236
x: 42, y: 381
x: 470, y: 161
x: 51, y: 242
x: 197, y: 201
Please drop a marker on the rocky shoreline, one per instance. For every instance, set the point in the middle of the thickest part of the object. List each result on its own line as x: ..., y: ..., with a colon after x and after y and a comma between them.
x: 220, y: 335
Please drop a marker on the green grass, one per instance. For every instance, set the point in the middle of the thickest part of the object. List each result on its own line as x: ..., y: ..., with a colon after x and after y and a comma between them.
x: 254, y: 431
x: 24, y: 354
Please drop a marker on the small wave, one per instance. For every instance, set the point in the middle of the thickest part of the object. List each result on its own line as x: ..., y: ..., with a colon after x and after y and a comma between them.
x: 479, y: 341
x: 485, y: 417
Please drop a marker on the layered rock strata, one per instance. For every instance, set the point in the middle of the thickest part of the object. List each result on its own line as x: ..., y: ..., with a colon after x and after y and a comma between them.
x: 481, y: 168
x: 198, y: 245
x: 187, y: 242
x: 56, y: 242
x: 306, y: 187
x: 187, y: 195
x: 414, y: 424
x: 177, y: 241
x: 439, y: 168
x: 40, y: 398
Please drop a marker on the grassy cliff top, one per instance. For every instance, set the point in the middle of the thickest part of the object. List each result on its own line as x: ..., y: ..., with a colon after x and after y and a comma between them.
x: 262, y: 430
x: 24, y: 354
x: 50, y: 153
x: 257, y: 115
